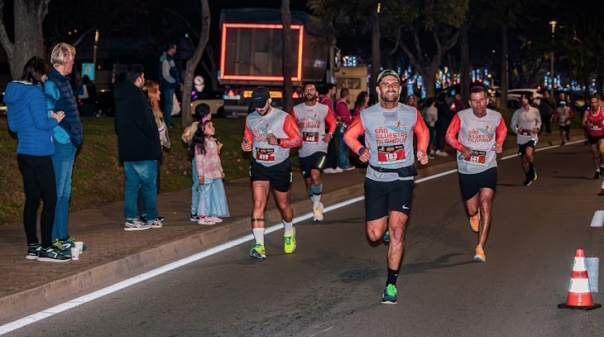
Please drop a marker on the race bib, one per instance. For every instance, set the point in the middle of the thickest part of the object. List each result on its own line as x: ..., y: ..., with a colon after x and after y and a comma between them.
x: 477, y: 158
x: 265, y: 155
x: 526, y: 132
x: 310, y: 137
x: 391, y: 154
x: 595, y: 127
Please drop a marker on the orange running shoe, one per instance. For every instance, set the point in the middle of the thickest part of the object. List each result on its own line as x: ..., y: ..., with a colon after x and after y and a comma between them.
x: 479, y: 254
x: 475, y: 221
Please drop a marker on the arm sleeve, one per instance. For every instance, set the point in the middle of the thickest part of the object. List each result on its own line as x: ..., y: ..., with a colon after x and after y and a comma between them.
x: 501, y: 132
x: 537, y: 119
x: 330, y: 121
x: 421, y: 132
x: 51, y: 92
x: 351, y: 136
x: 39, y: 114
x: 514, y: 122
x: 452, y: 131
x: 294, y: 138
x: 248, y: 135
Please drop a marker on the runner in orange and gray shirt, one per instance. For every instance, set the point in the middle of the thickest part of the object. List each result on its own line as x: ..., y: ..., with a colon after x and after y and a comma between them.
x: 389, y: 127
x: 477, y: 134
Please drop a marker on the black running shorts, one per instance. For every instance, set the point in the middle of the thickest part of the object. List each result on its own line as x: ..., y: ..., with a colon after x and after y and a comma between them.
x: 522, y: 147
x: 383, y: 197
x: 470, y: 184
x: 315, y: 161
x: 279, y: 176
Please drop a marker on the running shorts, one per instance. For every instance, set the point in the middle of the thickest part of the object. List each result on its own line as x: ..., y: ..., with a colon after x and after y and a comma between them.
x: 279, y: 176
x: 315, y: 161
x: 470, y: 184
x: 382, y: 197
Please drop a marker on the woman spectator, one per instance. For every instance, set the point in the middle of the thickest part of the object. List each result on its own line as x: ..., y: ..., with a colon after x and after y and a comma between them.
x: 361, y: 103
x: 29, y: 118
x: 430, y: 117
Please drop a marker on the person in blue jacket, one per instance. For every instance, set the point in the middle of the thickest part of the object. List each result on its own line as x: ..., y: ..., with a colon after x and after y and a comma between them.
x: 28, y: 117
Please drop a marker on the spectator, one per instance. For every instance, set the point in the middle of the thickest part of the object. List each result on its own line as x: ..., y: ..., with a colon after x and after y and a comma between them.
x: 547, y: 107
x: 362, y: 102
x: 331, y: 162
x: 343, y: 115
x: 445, y: 114
x: 430, y: 117
x: 411, y: 101
x: 138, y: 147
x: 28, y: 118
x: 457, y: 105
x: 168, y: 80
x: 67, y: 138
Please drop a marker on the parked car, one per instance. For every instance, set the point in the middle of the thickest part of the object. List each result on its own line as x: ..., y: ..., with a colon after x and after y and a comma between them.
x: 514, y: 96
x: 214, y: 101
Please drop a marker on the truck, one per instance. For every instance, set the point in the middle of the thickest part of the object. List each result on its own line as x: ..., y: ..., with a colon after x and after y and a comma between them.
x: 252, y: 54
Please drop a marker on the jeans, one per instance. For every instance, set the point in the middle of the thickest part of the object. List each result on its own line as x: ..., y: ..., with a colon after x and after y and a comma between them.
x: 140, y: 174
x: 195, y: 190
x: 62, y: 160
x: 168, y: 104
x: 432, y: 132
x: 38, y: 182
x: 342, y: 151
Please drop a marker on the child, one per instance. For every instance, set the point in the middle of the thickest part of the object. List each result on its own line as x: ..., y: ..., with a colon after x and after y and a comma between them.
x: 204, y: 148
x: 202, y: 110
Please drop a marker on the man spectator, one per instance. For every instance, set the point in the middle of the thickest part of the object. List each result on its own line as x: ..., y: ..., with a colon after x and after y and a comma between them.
x: 457, y: 104
x: 168, y: 80
x: 331, y: 163
x: 139, y: 147
x: 547, y: 107
x: 67, y: 138
x: 343, y: 116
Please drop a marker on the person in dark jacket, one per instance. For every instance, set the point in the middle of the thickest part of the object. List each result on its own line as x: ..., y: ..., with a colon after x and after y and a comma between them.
x: 67, y: 138
x: 139, y: 147
x: 28, y: 117
x: 169, y: 80
x: 445, y: 115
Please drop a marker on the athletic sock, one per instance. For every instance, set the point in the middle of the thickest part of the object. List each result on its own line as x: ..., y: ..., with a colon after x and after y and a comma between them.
x: 287, y: 226
x: 310, y: 194
x: 392, y: 276
x: 316, y: 191
x: 258, y: 235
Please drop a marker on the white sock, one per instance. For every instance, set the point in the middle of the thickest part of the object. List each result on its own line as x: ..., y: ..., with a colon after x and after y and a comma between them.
x: 258, y: 235
x: 287, y: 226
x: 316, y: 200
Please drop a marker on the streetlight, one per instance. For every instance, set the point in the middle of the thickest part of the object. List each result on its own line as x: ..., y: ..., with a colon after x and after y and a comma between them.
x: 96, y: 42
x: 552, y: 23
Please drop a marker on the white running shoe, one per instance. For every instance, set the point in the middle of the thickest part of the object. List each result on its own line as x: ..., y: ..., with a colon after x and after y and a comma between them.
x: 317, y: 213
x: 206, y: 221
x: 216, y: 219
x: 441, y: 153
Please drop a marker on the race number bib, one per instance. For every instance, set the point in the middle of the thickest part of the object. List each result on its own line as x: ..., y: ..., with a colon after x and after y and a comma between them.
x: 477, y: 158
x: 310, y: 137
x: 526, y: 132
x: 595, y: 127
x: 265, y: 155
x: 391, y: 154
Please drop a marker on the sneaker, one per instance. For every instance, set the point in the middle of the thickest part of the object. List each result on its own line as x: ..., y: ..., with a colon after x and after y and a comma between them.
x: 389, y: 296
x: 475, y: 222
x: 347, y: 168
x: 62, y: 247
x: 430, y: 156
x: 386, y: 237
x: 157, y: 223
x: 52, y: 255
x: 194, y: 217
x: 432, y: 152
x: 161, y: 218
x: 206, y: 221
x: 329, y: 170
x: 530, y: 178
x: 441, y: 153
x: 33, y: 251
x: 317, y: 213
x: 216, y: 219
x: 337, y: 170
x: 258, y: 251
x: 71, y: 241
x: 289, y: 242
x: 136, y: 225
x: 479, y: 254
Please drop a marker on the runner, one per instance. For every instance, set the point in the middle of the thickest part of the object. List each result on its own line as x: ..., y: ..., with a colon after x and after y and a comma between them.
x: 477, y: 134
x: 526, y: 123
x: 388, y: 128
x: 312, y: 118
x: 269, y: 134
x: 593, y: 122
x: 564, y: 116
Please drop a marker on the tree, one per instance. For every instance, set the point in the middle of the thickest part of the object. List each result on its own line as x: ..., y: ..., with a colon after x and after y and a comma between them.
x: 192, y: 63
x: 29, y: 38
x: 286, y: 20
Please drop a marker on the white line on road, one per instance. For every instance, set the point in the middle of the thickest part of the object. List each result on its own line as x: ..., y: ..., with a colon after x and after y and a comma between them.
x: 4, y: 329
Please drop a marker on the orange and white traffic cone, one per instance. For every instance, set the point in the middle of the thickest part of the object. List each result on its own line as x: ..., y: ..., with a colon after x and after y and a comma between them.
x: 602, y: 189
x: 579, y: 294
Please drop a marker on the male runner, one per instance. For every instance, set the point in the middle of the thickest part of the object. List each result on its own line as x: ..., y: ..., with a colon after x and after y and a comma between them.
x: 526, y: 123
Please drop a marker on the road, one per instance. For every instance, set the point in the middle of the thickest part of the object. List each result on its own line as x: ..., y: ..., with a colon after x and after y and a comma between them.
x: 332, y: 285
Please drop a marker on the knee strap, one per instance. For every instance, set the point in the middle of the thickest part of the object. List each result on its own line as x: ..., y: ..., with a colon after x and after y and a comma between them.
x: 257, y: 219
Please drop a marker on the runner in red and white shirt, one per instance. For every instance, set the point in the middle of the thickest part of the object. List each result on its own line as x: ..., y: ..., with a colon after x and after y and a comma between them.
x: 526, y: 123
x: 313, y: 119
x: 389, y: 127
x: 477, y: 134
x: 593, y: 122
x: 269, y: 134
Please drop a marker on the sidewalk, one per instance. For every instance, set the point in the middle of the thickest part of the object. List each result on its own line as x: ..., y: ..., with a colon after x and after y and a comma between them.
x: 113, y: 254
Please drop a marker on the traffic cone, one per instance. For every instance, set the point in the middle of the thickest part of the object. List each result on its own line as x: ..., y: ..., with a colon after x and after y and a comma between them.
x: 602, y: 189
x: 579, y: 294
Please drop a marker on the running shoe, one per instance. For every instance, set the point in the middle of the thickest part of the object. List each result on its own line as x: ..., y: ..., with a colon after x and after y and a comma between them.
x: 62, y: 247
x: 389, y: 296
x: 207, y: 221
x: 136, y: 225
x: 71, y: 241
x: 258, y: 251
x: 52, y: 254
x: 33, y: 251
x: 216, y: 219
x: 194, y: 217
x: 289, y: 242
x: 479, y: 254
x: 531, y: 178
x: 386, y: 237
x: 157, y: 223
x: 317, y: 213
x: 475, y: 222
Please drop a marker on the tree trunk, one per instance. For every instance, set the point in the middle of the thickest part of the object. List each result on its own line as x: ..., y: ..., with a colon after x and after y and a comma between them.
x: 286, y: 19
x: 29, y: 37
x: 192, y: 63
x: 464, y: 68
x: 375, y: 51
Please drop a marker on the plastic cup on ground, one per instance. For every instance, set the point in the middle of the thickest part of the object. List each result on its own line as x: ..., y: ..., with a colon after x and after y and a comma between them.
x: 80, y: 246
x: 75, y: 253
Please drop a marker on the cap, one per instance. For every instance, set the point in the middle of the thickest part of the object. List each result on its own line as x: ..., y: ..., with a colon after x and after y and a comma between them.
x: 562, y: 102
x: 259, y: 98
x: 388, y: 72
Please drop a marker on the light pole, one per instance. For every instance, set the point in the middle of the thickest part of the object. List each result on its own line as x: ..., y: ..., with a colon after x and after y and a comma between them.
x: 96, y: 42
x: 553, y: 24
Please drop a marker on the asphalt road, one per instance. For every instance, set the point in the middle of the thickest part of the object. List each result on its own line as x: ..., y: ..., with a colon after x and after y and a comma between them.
x: 332, y: 285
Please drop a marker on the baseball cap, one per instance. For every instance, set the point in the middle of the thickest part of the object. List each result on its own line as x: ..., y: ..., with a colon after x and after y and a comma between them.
x: 259, y: 98
x: 388, y: 72
x: 562, y: 102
